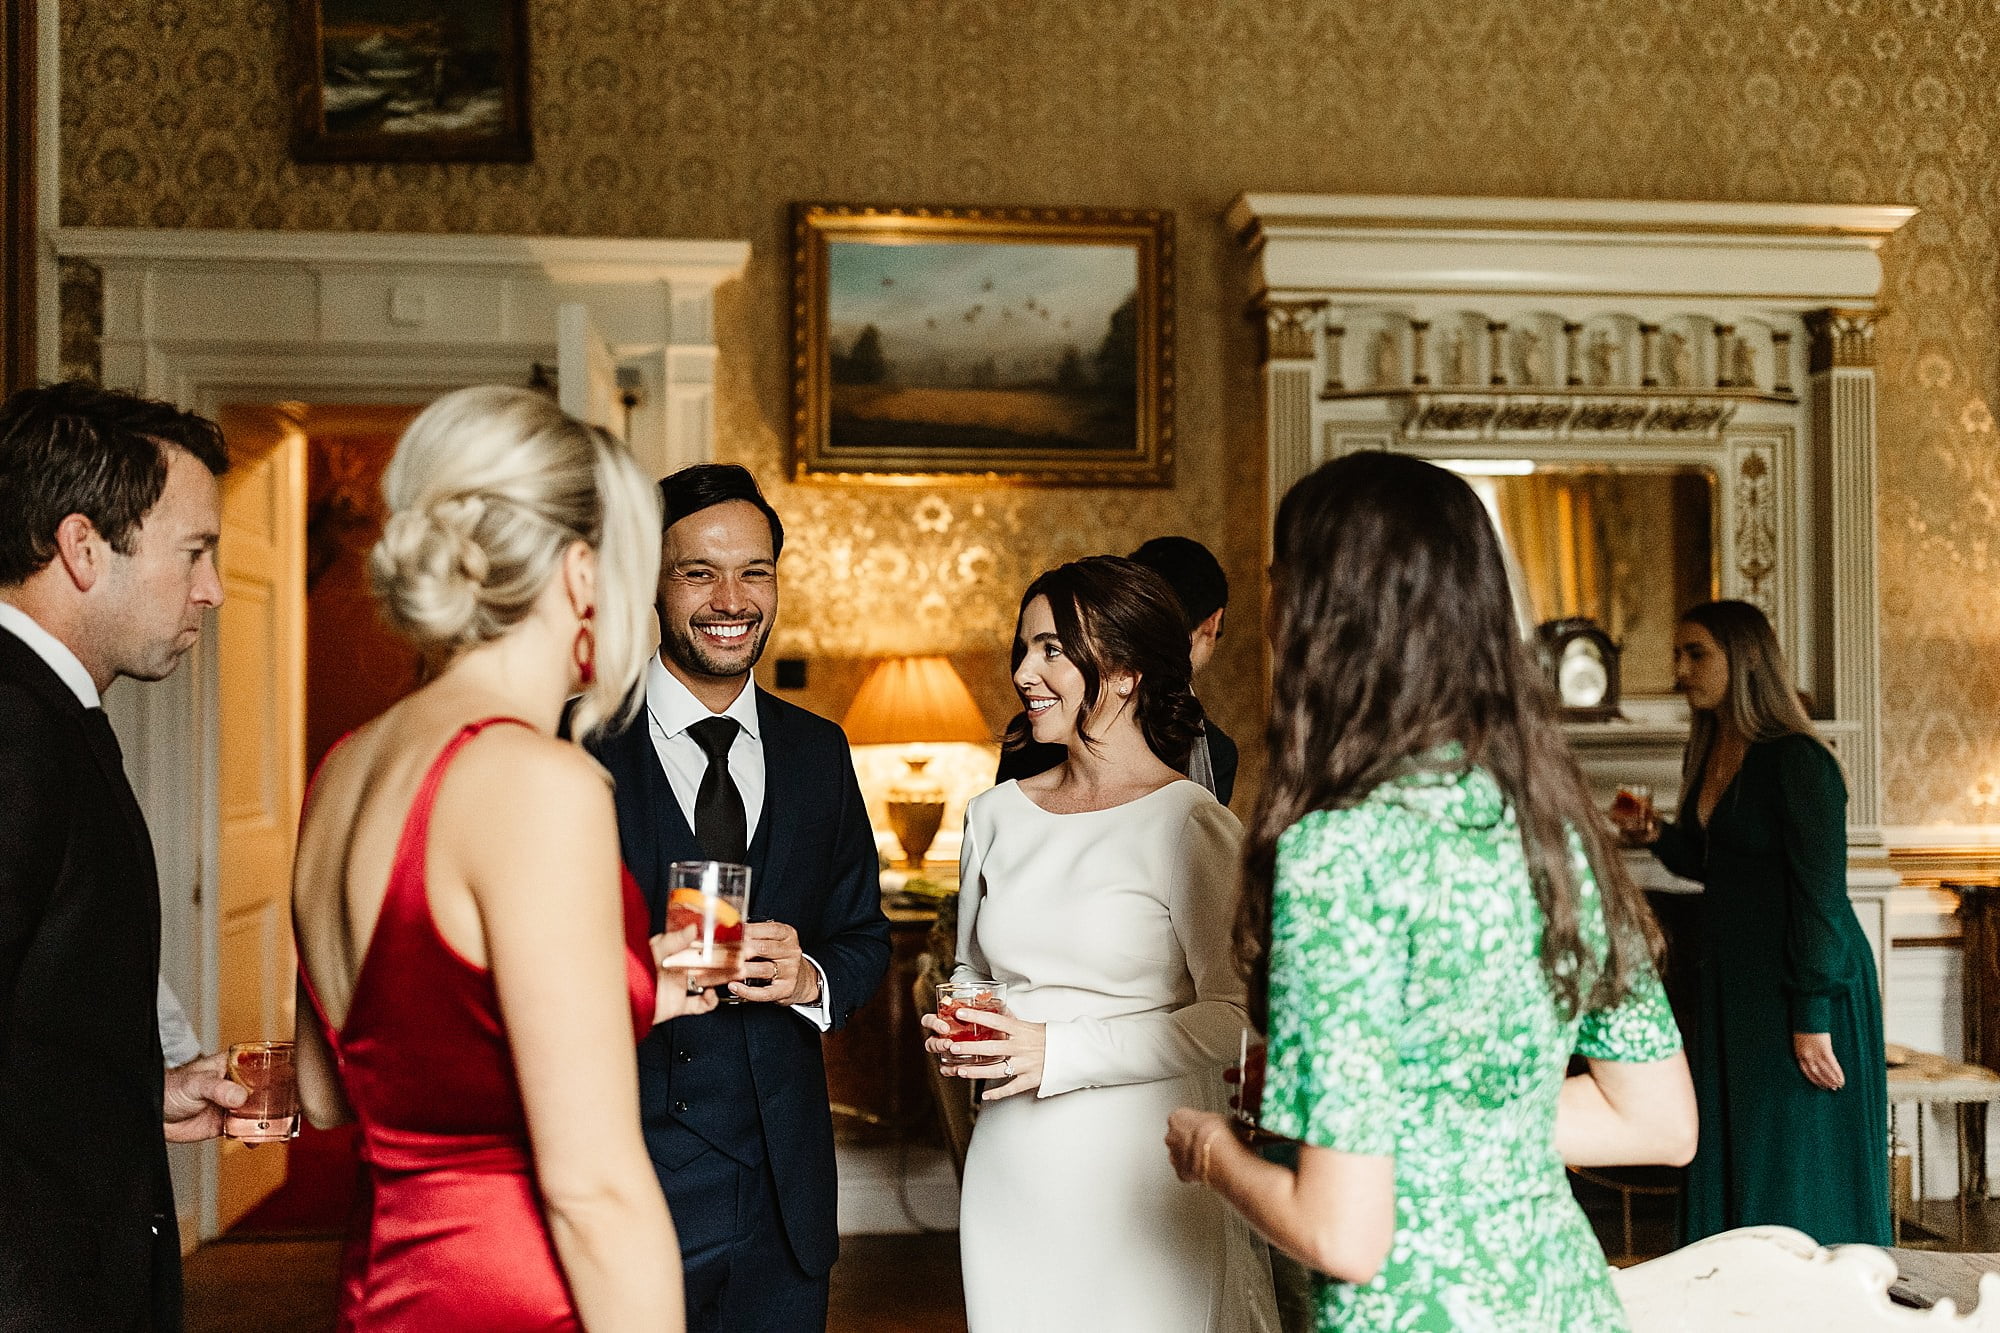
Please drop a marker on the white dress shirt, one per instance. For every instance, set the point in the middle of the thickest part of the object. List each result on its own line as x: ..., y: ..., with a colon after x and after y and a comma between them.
x: 178, y: 1044
x: 671, y: 709
x: 53, y: 651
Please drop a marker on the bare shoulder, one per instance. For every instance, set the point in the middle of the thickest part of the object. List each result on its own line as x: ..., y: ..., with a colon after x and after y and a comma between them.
x: 513, y: 769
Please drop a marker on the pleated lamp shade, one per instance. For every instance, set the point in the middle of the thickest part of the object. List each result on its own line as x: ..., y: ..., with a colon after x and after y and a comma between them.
x: 914, y: 700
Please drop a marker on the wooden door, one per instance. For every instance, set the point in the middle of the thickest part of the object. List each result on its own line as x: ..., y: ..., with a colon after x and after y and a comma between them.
x: 260, y: 636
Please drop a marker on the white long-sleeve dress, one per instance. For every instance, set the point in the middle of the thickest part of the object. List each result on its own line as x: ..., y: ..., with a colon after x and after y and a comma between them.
x: 1113, y: 927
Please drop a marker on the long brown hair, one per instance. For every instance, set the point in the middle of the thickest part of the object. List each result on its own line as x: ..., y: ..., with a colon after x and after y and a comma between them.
x: 1760, y: 703
x: 1112, y: 615
x: 1393, y: 634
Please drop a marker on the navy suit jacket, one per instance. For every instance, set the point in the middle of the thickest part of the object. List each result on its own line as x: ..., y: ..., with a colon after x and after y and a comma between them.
x: 87, y: 1234
x: 748, y: 1079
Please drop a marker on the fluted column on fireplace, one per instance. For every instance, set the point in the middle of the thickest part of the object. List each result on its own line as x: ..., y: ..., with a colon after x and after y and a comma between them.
x: 1841, y: 391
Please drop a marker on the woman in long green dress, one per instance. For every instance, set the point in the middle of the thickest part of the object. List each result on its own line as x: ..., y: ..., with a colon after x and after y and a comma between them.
x: 1786, y: 1044
x: 1435, y: 922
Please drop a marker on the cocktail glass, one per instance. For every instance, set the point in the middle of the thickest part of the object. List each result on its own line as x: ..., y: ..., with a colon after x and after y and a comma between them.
x: 713, y: 897
x: 988, y: 997
x: 270, y: 1114
x: 1632, y: 808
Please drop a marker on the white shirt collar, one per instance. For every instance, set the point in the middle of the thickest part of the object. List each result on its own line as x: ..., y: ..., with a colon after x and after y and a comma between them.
x: 53, y: 651
x: 675, y: 709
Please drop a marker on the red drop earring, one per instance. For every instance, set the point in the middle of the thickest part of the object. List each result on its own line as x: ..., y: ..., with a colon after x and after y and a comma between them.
x: 584, y: 651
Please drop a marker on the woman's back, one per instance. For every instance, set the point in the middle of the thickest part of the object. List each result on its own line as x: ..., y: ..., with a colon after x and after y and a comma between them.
x: 1411, y: 1017
x: 454, y: 1236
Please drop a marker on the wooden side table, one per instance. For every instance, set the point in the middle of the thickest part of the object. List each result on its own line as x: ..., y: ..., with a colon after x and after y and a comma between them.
x: 1924, y: 1080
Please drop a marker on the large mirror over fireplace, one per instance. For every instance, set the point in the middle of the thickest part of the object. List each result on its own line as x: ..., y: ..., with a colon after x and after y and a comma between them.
x: 1626, y: 547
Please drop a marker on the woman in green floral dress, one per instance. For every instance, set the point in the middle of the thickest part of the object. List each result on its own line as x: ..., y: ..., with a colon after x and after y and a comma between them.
x: 1438, y: 921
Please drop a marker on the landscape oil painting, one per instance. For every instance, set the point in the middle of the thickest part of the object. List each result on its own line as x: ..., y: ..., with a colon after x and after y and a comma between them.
x: 410, y: 80
x: 1022, y: 344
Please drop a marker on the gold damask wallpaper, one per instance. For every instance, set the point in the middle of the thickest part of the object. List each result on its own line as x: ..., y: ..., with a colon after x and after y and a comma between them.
x: 707, y: 117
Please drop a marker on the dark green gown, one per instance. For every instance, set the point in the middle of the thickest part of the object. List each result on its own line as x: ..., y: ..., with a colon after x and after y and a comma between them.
x: 1780, y: 951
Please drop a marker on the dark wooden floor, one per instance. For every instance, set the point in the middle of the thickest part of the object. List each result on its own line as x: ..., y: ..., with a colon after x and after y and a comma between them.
x: 910, y: 1284
x: 882, y: 1284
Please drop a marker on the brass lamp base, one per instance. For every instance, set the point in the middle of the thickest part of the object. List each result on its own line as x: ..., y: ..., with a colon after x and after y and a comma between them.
x: 915, y: 808
x: 916, y: 826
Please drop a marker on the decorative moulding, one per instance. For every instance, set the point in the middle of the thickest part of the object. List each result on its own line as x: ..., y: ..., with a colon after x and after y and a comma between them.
x: 201, y: 316
x: 1782, y: 256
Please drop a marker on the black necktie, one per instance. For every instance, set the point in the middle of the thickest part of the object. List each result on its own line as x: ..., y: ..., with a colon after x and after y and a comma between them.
x: 719, y: 823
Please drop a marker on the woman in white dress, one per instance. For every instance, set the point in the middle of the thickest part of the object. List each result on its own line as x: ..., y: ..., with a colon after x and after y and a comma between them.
x: 1102, y: 893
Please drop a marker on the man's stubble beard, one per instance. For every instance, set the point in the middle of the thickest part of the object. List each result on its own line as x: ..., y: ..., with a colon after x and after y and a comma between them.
x: 689, y: 654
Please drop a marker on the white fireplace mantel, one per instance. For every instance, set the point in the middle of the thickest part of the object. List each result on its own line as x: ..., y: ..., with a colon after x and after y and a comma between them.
x: 1739, y: 337
x: 1780, y: 256
x: 1735, y: 336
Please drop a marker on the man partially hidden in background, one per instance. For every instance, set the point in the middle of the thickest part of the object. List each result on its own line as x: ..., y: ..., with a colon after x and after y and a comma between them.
x: 109, y: 516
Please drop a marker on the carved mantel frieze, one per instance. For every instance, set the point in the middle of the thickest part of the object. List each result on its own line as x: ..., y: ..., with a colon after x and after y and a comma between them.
x: 1561, y: 416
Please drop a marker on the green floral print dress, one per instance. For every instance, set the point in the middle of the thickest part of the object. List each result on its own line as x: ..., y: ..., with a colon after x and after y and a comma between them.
x: 1410, y: 1018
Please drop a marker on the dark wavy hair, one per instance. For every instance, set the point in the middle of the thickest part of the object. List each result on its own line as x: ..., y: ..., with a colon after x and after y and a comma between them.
x: 1394, y: 635
x: 73, y: 448
x: 1114, y: 614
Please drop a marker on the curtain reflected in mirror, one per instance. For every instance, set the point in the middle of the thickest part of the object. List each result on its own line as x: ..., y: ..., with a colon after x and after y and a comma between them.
x: 1629, y: 547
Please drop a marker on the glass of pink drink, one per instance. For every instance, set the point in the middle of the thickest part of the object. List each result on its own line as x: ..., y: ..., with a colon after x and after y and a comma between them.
x: 986, y: 996
x: 270, y: 1114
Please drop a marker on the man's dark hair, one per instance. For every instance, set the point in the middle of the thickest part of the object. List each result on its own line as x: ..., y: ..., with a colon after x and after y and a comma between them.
x: 73, y: 448
x: 1192, y: 571
x: 705, y: 485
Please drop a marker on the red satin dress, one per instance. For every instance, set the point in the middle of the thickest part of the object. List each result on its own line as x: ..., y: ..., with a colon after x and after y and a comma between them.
x: 451, y: 1235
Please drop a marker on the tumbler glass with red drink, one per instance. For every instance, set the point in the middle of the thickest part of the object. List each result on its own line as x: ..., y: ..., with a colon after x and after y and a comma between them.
x: 1632, y: 810
x: 987, y: 997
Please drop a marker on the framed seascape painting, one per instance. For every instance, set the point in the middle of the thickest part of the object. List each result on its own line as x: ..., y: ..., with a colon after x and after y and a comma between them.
x: 410, y: 81
x: 1015, y: 344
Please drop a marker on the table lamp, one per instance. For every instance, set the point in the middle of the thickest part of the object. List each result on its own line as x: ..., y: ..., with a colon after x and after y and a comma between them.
x: 915, y: 701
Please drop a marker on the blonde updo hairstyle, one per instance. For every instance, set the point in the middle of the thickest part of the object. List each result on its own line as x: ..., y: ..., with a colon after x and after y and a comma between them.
x: 487, y: 489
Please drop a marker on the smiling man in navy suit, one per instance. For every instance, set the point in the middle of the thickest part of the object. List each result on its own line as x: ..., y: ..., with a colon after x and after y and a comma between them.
x: 734, y: 1101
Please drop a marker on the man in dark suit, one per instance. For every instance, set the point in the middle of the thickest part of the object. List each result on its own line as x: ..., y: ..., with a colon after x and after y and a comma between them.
x: 109, y: 514
x: 1202, y: 589
x: 734, y: 1101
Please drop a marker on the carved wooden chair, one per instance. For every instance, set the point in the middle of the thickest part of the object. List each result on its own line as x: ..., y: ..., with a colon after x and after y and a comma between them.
x: 953, y: 1096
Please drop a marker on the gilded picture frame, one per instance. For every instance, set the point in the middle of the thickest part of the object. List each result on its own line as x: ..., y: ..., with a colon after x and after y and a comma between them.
x: 1025, y: 345
x: 410, y: 81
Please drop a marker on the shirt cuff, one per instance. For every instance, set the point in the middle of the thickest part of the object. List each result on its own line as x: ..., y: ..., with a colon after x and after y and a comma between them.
x: 820, y: 1012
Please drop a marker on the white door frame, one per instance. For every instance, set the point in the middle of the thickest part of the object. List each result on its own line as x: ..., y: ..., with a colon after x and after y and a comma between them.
x: 204, y: 318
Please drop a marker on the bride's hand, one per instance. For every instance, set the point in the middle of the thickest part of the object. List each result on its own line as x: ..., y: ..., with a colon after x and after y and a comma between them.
x: 1018, y: 1051
x: 938, y: 1046
x: 671, y: 998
